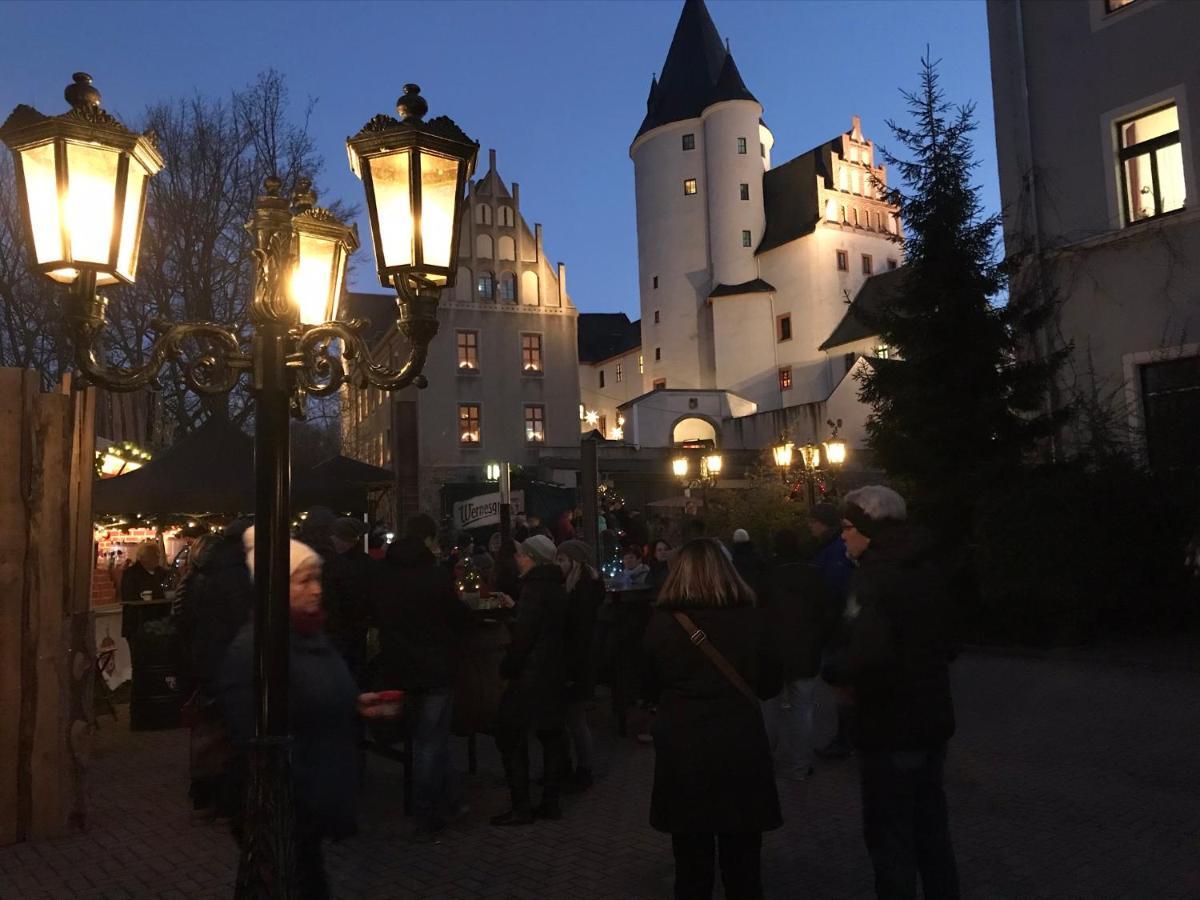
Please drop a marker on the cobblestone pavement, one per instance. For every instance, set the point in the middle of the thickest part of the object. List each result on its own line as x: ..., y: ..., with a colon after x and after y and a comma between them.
x: 1066, y: 780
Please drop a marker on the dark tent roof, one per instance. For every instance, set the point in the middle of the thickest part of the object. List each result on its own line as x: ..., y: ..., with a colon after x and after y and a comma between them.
x: 756, y: 286
x: 699, y: 72
x: 604, y: 335
x: 860, y: 320
x: 211, y: 470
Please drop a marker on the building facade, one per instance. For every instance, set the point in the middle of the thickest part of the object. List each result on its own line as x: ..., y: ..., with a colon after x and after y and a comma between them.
x: 503, y: 370
x: 1097, y: 105
x: 747, y: 270
x: 611, y: 369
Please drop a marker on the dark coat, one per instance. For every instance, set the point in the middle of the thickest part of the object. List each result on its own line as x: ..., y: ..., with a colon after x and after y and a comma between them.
x: 346, y: 580
x: 535, y: 663
x: 900, y: 644
x: 217, y: 599
x: 583, y: 603
x: 748, y: 564
x: 835, y: 567
x: 420, y: 620
x: 712, y: 760
x: 323, y: 722
x: 138, y: 578
x: 799, y: 613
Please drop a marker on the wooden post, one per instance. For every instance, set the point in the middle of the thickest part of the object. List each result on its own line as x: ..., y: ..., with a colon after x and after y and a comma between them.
x: 589, y: 483
x: 45, y: 561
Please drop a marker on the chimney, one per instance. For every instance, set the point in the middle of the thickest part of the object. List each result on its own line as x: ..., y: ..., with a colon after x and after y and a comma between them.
x: 855, y: 128
x: 491, y: 160
x: 537, y: 241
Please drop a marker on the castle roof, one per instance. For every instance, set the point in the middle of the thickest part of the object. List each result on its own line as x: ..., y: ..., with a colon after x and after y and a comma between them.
x: 699, y: 72
x: 862, y: 316
x: 605, y: 335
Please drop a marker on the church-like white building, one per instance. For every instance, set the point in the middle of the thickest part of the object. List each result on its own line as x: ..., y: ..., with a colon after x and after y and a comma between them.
x: 751, y: 275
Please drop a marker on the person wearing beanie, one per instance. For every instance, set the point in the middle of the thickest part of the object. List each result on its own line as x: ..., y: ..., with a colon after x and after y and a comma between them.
x: 535, y: 699
x: 746, y: 560
x: 898, y: 665
x: 585, y: 593
x: 324, y: 721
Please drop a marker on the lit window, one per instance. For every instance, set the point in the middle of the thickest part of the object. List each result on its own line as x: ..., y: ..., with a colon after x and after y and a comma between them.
x: 531, y: 353
x: 883, y: 351
x: 741, y: 145
x: 1151, y: 164
x: 468, y: 423
x: 843, y: 261
x: 660, y: 384
x: 619, y: 374
x: 867, y: 264
x: 485, y: 286
x: 656, y: 317
x: 601, y: 378
x: 830, y: 210
x: 689, y: 186
x: 1113, y: 6
x: 744, y: 191
x: 784, y: 328
x: 641, y: 364
x: 468, y: 351
x: 892, y: 264
x: 785, y: 378
x: 657, y: 354
x: 508, y: 287
x: 745, y: 238
x: 535, y: 424
x: 689, y: 142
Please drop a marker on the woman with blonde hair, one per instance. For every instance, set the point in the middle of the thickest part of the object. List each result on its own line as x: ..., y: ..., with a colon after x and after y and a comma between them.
x: 712, y: 660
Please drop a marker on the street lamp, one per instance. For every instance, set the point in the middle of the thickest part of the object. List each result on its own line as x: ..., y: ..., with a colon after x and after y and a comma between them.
x: 680, y: 465
x: 783, y: 456
x: 835, y: 447
x: 708, y: 471
x: 82, y: 178
x: 493, y: 471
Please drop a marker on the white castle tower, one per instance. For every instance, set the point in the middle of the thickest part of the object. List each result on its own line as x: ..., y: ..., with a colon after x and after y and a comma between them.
x: 698, y: 158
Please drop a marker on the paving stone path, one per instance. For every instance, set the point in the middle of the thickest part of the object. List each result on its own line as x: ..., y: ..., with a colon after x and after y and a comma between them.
x: 1066, y: 780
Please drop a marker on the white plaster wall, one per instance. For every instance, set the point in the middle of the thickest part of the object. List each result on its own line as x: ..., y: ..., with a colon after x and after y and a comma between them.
x: 724, y: 123
x: 746, y: 349
x: 650, y: 421
x: 606, y: 400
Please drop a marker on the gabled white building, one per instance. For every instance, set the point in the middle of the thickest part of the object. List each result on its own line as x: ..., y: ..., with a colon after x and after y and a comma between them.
x: 747, y: 271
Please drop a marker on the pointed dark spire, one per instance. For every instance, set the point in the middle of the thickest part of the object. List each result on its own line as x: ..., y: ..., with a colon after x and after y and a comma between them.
x: 695, y: 64
x: 729, y: 84
x: 652, y: 99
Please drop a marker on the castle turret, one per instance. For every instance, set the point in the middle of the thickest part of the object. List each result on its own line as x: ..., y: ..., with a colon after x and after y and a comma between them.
x: 698, y: 159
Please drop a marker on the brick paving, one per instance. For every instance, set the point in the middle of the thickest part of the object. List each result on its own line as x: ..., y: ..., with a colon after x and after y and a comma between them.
x: 1066, y: 780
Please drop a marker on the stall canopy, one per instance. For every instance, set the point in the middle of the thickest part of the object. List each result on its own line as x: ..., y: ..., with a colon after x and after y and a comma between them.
x: 211, y: 470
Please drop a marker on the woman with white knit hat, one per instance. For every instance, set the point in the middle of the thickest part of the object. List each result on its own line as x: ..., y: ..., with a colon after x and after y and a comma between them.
x: 324, y: 709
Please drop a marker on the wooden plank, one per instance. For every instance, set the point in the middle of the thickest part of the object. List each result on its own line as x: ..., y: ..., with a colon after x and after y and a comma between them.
x: 12, y: 588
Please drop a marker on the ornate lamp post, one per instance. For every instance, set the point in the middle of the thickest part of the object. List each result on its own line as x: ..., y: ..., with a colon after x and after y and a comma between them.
x: 707, y: 473
x: 810, y: 470
x: 82, y: 178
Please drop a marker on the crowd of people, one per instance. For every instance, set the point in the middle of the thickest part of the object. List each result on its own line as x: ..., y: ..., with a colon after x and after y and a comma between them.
x: 735, y: 646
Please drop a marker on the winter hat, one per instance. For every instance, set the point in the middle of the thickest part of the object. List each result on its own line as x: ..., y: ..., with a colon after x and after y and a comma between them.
x: 827, y: 514
x: 347, y: 529
x: 579, y: 552
x: 300, y: 553
x: 741, y: 536
x: 539, y: 548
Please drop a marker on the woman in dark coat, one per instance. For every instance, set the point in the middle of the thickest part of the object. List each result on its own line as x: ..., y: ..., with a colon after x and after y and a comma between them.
x: 585, y: 593
x: 713, y: 777
x: 535, y: 666
x: 324, y: 707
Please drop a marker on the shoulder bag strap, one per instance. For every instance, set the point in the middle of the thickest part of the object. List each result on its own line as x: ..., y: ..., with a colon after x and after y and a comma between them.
x: 700, y: 639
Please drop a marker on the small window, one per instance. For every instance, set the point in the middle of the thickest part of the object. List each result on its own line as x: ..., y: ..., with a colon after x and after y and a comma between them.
x: 508, y: 287
x: 656, y: 282
x: 535, y: 424
x: 745, y: 238
x: 856, y: 223
x: 1112, y: 6
x: 531, y: 354
x: 892, y: 264
x: 744, y: 191
x: 831, y: 211
x: 657, y: 318
x: 867, y: 264
x: 883, y: 351
x: 657, y: 354
x: 843, y: 261
x: 483, y: 214
x: 468, y: 351
x: 845, y: 221
x: 762, y: 150
x: 785, y: 378
x: 1151, y: 164
x: 485, y: 286
x: 506, y: 216
x: 660, y: 384
x: 468, y: 423
x: 689, y: 142
x: 641, y: 364
x: 689, y: 186
x: 602, y: 379
x: 620, y: 374
x: 741, y: 145
x: 784, y: 328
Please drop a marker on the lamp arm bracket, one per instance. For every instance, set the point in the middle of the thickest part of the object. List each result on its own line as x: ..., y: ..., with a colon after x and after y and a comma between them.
x: 320, y: 371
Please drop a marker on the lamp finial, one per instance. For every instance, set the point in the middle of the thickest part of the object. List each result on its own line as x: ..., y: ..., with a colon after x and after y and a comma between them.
x: 81, y: 93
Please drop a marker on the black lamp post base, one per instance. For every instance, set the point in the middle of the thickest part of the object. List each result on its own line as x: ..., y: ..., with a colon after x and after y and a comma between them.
x: 268, y: 863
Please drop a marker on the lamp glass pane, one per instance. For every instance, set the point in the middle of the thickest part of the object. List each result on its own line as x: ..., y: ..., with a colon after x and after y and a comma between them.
x: 41, y: 190
x: 439, y: 184
x: 91, y: 198
x: 338, y: 280
x: 393, y: 208
x: 312, y: 277
x: 131, y: 225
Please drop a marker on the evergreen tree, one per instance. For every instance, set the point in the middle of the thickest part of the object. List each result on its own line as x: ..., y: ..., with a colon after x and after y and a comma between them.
x: 966, y: 400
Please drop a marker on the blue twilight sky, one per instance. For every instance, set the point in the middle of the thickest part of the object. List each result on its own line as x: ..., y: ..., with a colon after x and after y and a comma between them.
x: 557, y: 87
